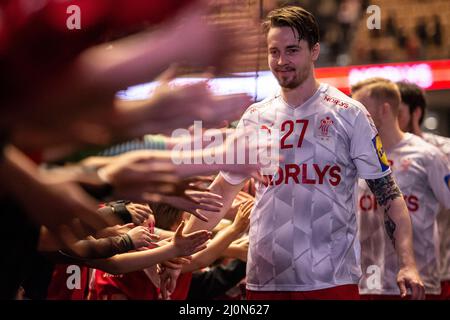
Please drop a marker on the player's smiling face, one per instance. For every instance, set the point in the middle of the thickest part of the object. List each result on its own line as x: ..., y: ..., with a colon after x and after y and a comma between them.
x: 290, y: 60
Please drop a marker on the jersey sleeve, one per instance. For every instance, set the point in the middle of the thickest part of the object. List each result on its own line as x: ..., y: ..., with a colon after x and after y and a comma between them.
x: 366, y: 149
x: 438, y: 173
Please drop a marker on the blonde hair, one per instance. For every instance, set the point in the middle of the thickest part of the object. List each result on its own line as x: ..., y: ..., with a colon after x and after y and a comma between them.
x: 382, y: 90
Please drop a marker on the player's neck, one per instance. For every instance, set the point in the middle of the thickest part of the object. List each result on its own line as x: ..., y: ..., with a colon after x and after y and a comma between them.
x: 297, y: 96
x: 392, y: 137
x: 416, y: 130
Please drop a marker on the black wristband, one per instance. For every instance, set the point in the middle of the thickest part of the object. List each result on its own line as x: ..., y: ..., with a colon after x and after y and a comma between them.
x: 120, y: 209
x: 129, y: 245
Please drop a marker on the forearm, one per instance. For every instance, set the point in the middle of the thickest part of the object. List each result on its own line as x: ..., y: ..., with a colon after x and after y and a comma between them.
x: 396, y: 217
x: 163, y: 234
x: 102, y: 248
x: 127, y: 62
x: 19, y: 171
x: 135, y: 261
x: 86, y: 176
x: 213, y: 251
x: 235, y: 252
x: 228, y: 192
x: 399, y: 228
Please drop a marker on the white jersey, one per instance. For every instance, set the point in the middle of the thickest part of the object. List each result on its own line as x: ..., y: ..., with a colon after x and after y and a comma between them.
x: 303, y: 229
x: 443, y: 143
x: 419, y: 170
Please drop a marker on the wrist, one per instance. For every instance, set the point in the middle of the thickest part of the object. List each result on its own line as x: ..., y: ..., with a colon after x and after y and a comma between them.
x: 235, y: 230
x: 119, y: 208
x: 128, y: 242
x: 173, y: 250
x: 407, y: 262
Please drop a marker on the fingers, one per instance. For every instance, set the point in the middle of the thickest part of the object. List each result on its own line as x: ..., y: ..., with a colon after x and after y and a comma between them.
x: 212, y: 202
x: 141, y: 208
x: 199, y: 179
x: 164, y: 291
x: 179, y: 231
x: 195, y: 187
x: 200, y: 216
x: 417, y: 291
x: 201, y: 195
x: 154, y: 237
x: 247, y: 207
x: 169, y: 74
x: 192, y: 242
x: 208, y: 207
x: 142, y: 215
x: 184, y: 260
x: 173, y: 265
x: 402, y: 287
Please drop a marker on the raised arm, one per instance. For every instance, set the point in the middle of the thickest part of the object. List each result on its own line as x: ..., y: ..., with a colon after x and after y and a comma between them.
x: 221, y: 242
x: 182, y: 245
x: 399, y: 229
x: 228, y: 192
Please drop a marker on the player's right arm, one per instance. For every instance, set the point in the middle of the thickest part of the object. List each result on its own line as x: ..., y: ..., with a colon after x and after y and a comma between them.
x: 228, y: 192
x: 399, y: 229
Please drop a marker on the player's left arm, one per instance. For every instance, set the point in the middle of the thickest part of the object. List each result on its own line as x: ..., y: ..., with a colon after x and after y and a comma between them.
x: 399, y: 229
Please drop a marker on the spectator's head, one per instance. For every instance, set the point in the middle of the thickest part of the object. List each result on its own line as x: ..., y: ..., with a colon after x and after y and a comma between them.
x: 166, y: 216
x: 293, y: 45
x: 381, y: 97
x: 412, y: 106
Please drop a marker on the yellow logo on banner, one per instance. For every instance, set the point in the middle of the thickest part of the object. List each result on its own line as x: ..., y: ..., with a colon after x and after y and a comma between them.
x: 380, y: 152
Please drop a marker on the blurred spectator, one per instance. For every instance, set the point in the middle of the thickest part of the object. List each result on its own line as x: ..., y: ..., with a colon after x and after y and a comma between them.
x: 437, y: 31
x: 391, y: 25
x: 421, y: 30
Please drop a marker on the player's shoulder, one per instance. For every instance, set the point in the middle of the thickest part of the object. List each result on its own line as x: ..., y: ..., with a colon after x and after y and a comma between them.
x: 258, y: 108
x: 441, y: 142
x: 426, y: 148
x: 342, y: 104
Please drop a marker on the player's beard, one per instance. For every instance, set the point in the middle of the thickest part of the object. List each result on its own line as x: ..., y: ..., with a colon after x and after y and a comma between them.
x: 295, y: 78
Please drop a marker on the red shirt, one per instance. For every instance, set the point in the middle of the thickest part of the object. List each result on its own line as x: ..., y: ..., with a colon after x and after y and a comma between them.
x: 133, y: 285
x: 65, y: 286
x: 182, y: 289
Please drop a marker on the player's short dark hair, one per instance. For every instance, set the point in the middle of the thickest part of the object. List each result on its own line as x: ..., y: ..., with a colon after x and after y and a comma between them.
x: 413, y: 96
x: 296, y: 18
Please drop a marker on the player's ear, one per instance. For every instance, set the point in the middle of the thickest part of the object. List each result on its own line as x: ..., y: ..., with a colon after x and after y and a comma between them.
x: 386, y: 109
x: 315, y: 50
x: 417, y: 113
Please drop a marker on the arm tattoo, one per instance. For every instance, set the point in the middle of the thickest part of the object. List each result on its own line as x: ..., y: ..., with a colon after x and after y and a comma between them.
x: 385, y: 190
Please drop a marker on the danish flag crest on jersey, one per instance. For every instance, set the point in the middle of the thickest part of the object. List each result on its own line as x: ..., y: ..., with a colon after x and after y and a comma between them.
x: 325, y: 126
